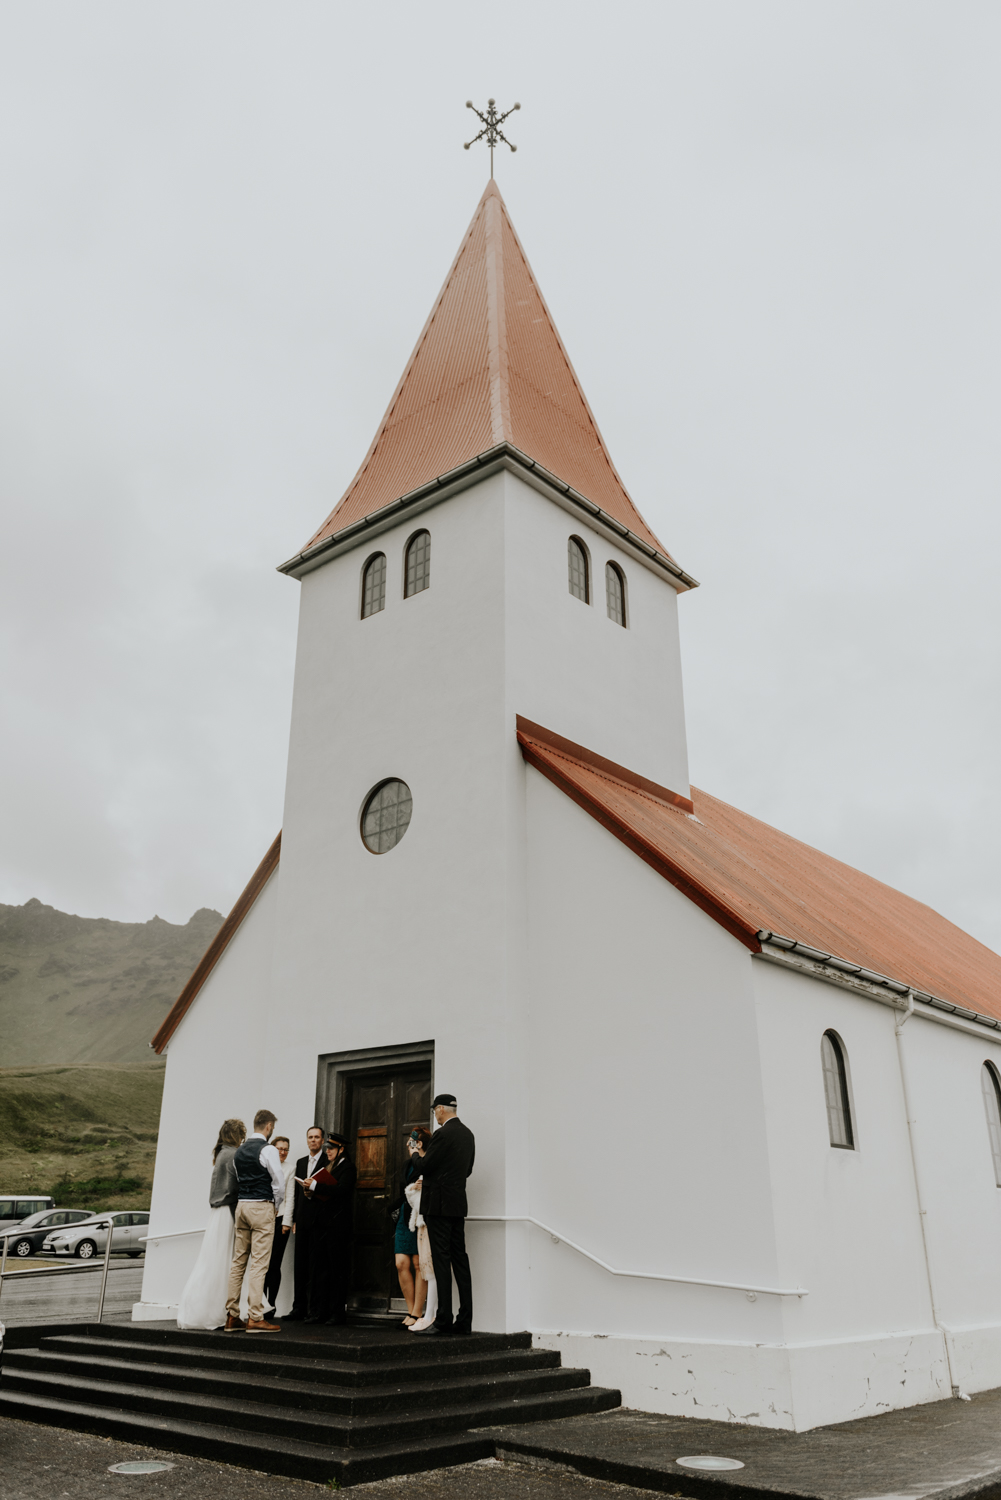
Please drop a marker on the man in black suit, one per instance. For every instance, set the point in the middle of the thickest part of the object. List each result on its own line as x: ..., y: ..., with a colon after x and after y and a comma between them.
x: 447, y: 1163
x: 301, y: 1217
x: 331, y: 1191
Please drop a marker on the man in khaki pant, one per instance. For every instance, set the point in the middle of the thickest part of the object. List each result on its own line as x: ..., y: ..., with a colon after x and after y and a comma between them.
x: 261, y: 1192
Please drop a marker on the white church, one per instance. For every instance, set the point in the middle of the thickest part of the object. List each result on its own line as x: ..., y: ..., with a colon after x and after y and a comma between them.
x: 737, y: 1106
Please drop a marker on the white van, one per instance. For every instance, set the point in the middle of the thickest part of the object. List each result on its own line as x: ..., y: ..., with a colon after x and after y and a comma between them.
x: 17, y: 1206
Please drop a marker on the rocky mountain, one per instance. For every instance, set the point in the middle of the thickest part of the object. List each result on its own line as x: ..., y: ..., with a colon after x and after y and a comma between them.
x: 86, y: 989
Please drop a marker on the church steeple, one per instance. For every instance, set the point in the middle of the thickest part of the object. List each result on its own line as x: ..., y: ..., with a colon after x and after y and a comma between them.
x: 489, y: 368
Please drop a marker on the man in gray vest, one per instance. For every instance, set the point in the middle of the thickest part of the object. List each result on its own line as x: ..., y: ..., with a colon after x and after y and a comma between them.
x: 260, y: 1194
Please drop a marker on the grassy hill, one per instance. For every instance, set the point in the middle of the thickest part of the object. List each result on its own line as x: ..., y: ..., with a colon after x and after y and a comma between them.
x: 86, y: 1134
x: 83, y: 989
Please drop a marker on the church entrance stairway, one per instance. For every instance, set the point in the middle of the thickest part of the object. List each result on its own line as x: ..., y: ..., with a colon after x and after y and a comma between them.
x: 352, y: 1404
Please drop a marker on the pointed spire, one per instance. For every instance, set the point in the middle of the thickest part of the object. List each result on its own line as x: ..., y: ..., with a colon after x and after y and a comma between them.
x: 488, y: 368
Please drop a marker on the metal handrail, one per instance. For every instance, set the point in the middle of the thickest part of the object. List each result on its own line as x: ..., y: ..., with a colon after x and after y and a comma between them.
x: 174, y: 1234
x: 729, y: 1286
x: 107, y: 1224
x: 556, y: 1237
x: 75, y: 1268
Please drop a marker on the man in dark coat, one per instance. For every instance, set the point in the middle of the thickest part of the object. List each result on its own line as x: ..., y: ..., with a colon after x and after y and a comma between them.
x: 331, y: 1195
x: 447, y: 1163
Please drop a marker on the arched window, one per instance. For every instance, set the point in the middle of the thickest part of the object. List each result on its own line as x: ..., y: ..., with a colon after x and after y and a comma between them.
x: 418, y: 564
x: 577, y: 569
x: 839, y: 1110
x: 992, y: 1104
x: 373, y: 586
x: 615, y: 593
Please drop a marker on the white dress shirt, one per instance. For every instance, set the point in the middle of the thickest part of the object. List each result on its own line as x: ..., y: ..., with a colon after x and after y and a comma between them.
x: 288, y: 1167
x: 273, y: 1162
x: 311, y: 1166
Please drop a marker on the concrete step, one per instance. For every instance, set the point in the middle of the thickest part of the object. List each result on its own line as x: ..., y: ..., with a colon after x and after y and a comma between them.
x: 346, y: 1404
x: 296, y: 1392
x: 351, y: 1345
x: 407, y: 1423
x: 265, y: 1452
x: 238, y: 1353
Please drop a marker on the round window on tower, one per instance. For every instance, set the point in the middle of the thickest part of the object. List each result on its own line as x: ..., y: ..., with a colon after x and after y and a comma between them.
x: 385, y: 817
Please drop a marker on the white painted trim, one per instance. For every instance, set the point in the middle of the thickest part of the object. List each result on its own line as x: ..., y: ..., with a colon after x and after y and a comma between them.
x: 730, y: 1286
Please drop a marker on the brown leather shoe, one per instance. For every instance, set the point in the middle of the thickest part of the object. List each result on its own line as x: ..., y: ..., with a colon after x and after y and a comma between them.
x: 258, y: 1325
x: 234, y: 1325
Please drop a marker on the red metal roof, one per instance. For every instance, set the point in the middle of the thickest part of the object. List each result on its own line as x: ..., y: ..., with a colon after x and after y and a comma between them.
x: 488, y: 368
x: 751, y: 878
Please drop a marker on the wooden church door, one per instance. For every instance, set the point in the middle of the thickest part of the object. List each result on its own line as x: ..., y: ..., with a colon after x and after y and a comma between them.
x: 381, y: 1110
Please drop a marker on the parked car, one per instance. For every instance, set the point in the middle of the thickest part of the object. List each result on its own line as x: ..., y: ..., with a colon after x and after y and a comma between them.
x: 32, y: 1232
x: 89, y: 1238
x: 15, y: 1207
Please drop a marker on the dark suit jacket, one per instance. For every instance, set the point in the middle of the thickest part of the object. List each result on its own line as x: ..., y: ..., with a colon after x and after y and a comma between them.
x: 333, y: 1196
x: 304, y: 1208
x: 447, y: 1163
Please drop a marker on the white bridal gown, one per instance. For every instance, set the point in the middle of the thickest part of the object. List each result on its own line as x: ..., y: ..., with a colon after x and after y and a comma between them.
x: 203, y: 1301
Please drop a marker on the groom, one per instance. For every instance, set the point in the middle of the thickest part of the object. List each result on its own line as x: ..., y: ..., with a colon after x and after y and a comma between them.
x: 261, y: 1189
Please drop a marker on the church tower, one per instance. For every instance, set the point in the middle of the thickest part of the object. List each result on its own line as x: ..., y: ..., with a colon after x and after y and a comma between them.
x: 486, y: 564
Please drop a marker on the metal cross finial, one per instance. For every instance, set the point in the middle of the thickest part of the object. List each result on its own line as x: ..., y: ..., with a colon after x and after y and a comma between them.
x: 491, y: 131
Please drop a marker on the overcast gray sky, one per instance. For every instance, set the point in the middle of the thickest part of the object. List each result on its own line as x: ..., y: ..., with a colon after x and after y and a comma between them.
x: 769, y: 235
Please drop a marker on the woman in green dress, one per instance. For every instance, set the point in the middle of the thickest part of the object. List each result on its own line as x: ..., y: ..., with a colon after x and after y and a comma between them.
x: 405, y: 1243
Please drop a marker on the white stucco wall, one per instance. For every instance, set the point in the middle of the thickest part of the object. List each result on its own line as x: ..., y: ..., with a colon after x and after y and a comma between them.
x: 647, y: 1017
x: 412, y: 945
x: 847, y: 1222
x: 218, y: 1067
x: 647, y: 1117
x: 959, y: 1191
x: 648, y: 1135
x: 572, y: 669
x: 428, y: 942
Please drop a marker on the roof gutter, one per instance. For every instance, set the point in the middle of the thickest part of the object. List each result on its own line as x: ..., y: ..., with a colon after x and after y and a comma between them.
x: 893, y: 992
x: 502, y: 456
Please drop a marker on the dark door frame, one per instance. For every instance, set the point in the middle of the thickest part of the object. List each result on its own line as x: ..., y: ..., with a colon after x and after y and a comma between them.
x: 334, y: 1068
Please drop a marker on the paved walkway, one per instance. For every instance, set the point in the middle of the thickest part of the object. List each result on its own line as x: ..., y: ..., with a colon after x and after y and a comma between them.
x: 948, y: 1449
x: 46, y: 1463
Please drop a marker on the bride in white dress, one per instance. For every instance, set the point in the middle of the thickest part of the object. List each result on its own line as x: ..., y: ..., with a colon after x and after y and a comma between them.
x: 203, y: 1301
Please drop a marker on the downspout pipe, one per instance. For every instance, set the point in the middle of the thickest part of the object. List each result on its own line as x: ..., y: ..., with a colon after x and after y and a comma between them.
x: 903, y: 1016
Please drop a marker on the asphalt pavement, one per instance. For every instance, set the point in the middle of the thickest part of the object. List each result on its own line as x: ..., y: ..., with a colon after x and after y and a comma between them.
x: 943, y: 1450
x: 47, y: 1463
